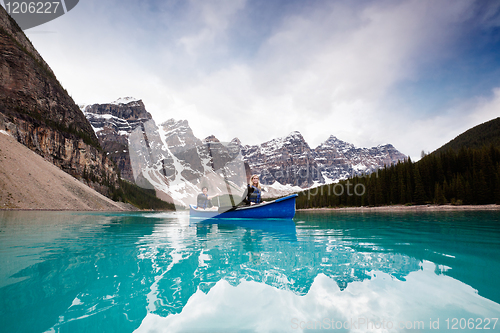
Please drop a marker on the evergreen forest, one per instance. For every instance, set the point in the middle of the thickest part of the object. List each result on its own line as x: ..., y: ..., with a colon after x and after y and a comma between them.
x: 465, y: 171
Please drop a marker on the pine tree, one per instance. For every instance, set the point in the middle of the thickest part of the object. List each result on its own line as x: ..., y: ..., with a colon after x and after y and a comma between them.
x: 446, y: 190
x: 439, y: 198
x: 497, y: 187
x: 402, y: 188
x: 481, y: 189
x: 419, y: 195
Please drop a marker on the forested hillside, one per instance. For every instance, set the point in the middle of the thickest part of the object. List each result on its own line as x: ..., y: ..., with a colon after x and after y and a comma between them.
x: 466, y: 172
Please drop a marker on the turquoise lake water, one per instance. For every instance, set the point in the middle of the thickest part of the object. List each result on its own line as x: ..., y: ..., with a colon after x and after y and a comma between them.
x: 162, y: 272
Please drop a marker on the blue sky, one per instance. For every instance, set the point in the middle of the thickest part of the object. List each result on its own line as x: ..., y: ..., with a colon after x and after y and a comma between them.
x: 414, y: 73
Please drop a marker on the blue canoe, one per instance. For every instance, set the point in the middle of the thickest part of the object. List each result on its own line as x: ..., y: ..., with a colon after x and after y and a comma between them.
x: 282, y: 208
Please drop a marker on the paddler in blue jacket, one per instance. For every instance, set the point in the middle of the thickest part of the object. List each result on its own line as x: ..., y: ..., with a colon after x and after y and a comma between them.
x: 253, y: 194
x: 203, y: 200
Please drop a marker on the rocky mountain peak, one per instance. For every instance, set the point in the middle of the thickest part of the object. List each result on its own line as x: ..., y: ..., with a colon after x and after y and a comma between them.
x: 113, y: 124
x: 333, y: 143
x: 236, y: 142
x: 178, y: 135
x: 386, y: 146
x: 210, y: 138
x: 294, y: 134
x: 287, y: 160
x: 172, y: 123
x: 127, y: 108
x: 338, y: 159
x: 128, y: 101
x: 293, y: 141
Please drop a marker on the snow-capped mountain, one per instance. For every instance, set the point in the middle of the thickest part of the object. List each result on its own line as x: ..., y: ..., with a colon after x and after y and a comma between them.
x: 288, y: 161
x: 338, y: 159
x: 177, y: 165
x: 173, y: 161
x: 168, y: 157
x: 113, y: 124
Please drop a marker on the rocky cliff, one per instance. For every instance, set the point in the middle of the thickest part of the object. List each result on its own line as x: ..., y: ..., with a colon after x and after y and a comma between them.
x: 39, y: 113
x: 113, y: 123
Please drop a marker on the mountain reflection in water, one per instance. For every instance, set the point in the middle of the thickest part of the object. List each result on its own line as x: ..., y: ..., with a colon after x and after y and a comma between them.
x: 164, y: 272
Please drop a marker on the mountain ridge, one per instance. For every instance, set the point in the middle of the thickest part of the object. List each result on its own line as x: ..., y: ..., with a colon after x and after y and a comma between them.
x: 171, y: 156
x: 478, y: 136
x: 330, y: 161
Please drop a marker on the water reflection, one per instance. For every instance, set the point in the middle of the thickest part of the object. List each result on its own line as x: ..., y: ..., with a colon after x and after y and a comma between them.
x: 86, y: 277
x: 166, y: 273
x: 380, y: 304
x: 463, y: 245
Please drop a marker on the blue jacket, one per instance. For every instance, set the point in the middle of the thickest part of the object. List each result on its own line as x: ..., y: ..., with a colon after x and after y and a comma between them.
x: 202, y: 201
x: 255, y: 196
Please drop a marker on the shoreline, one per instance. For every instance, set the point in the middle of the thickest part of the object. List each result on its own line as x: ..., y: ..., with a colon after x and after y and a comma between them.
x: 393, y: 208
x: 401, y: 208
x: 63, y: 210
x: 81, y: 210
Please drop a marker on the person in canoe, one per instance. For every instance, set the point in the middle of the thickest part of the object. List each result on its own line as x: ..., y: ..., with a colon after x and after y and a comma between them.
x: 203, y: 200
x: 253, y: 193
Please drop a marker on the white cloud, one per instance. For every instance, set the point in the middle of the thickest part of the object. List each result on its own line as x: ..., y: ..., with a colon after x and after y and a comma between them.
x: 431, y: 132
x: 329, y: 69
x: 486, y: 108
x: 215, y: 17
